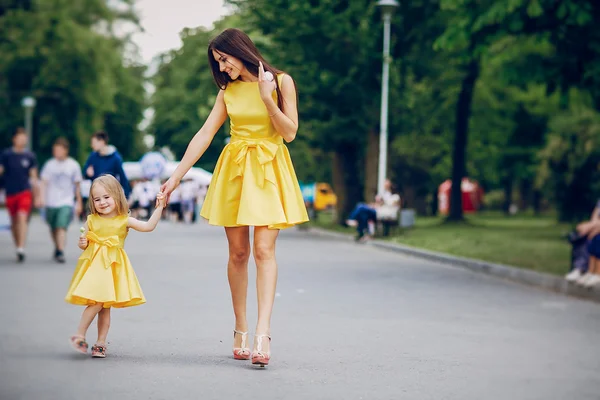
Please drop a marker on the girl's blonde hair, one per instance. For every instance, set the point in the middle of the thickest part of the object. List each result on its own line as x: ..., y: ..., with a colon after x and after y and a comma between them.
x: 114, y: 189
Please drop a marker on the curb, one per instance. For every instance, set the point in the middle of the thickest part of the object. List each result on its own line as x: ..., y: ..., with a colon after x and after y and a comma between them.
x: 524, y: 276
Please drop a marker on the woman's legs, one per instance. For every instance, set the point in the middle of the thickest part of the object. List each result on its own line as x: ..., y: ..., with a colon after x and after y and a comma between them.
x: 237, y: 274
x: 266, y: 277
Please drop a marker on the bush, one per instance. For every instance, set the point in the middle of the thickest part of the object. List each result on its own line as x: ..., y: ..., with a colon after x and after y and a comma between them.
x: 494, y: 200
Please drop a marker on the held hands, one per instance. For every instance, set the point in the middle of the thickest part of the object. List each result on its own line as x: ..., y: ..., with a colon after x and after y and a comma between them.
x: 89, y: 171
x: 266, y: 86
x: 161, y: 200
x: 167, y: 188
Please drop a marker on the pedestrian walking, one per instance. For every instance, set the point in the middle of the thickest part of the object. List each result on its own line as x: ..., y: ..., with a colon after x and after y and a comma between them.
x: 19, y: 168
x: 60, y: 194
x: 105, y: 159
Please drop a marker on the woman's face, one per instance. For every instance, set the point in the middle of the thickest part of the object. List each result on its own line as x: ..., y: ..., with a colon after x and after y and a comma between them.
x: 230, y: 65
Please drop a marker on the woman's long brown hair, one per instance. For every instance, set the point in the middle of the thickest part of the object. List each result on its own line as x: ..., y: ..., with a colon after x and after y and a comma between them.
x: 237, y: 44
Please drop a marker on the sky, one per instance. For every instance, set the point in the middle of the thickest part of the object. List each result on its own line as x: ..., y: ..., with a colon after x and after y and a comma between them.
x: 164, y: 19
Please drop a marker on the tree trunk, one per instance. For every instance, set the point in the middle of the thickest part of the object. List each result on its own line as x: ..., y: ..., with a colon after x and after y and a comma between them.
x: 409, y: 196
x: 508, y: 192
x: 525, y: 194
x: 463, y: 114
x: 537, y: 201
x: 345, y: 180
x: 434, y: 203
x: 371, y: 165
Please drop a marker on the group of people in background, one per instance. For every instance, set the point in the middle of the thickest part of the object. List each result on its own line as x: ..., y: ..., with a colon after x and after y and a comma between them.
x: 184, y: 203
x: 61, y: 188
x: 56, y: 190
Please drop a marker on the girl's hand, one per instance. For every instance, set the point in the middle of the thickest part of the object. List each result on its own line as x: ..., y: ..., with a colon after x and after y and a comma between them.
x: 161, y: 200
x: 265, y: 86
x: 167, y: 188
x: 83, y: 243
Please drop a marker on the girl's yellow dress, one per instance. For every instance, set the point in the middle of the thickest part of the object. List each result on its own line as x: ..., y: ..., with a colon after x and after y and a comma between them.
x: 104, y: 273
x: 254, y: 182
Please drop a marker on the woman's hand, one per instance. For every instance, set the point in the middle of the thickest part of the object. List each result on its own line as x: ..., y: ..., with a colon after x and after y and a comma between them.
x: 167, y: 188
x: 265, y: 86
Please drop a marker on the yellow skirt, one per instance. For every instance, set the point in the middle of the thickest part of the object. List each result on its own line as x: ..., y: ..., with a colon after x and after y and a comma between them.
x: 254, y: 184
x: 114, y: 285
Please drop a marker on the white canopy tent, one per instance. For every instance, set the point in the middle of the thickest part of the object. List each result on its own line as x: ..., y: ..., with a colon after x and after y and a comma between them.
x: 133, y: 170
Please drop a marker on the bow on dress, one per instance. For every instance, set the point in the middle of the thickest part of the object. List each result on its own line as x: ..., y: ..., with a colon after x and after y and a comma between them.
x: 265, y: 151
x: 107, y: 248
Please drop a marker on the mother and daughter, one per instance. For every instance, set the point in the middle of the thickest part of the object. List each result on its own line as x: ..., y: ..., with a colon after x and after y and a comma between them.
x: 253, y: 184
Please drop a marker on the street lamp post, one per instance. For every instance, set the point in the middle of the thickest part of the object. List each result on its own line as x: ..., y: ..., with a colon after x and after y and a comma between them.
x: 28, y: 104
x: 387, y: 9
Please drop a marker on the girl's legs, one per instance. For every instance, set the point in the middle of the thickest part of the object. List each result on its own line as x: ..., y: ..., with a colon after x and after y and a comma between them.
x: 237, y: 274
x: 87, y: 317
x: 103, y: 325
x: 266, y: 278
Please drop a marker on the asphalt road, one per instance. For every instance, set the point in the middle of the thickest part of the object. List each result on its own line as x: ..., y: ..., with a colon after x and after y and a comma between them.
x: 350, y: 322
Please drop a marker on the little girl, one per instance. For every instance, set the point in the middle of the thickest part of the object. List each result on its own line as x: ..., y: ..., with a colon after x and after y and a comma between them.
x: 104, y: 277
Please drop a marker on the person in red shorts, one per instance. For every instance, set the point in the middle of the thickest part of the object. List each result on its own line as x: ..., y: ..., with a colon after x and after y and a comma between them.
x: 19, y: 167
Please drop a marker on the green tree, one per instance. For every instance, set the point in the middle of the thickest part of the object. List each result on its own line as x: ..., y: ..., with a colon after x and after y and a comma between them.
x: 568, y: 170
x: 184, y: 96
x: 66, y: 55
x: 473, y: 26
x: 332, y: 50
x: 123, y: 121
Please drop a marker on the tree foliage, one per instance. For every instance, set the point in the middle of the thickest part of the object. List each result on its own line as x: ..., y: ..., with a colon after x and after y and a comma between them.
x: 569, y: 169
x: 67, y: 57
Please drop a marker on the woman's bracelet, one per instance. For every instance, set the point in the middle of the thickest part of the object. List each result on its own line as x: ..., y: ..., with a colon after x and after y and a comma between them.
x: 271, y: 115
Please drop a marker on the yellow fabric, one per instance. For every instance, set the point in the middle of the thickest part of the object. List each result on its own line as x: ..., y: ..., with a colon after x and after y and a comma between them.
x: 104, y: 273
x: 254, y: 182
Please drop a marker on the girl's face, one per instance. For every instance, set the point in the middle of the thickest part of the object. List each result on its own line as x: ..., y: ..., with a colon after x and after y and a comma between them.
x: 230, y: 65
x: 103, y: 202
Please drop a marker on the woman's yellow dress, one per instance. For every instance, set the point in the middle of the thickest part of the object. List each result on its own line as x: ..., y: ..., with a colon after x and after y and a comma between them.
x: 254, y: 182
x: 104, y: 273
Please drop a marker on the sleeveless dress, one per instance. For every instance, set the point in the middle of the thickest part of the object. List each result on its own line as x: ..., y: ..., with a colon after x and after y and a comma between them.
x: 104, y: 273
x: 254, y: 182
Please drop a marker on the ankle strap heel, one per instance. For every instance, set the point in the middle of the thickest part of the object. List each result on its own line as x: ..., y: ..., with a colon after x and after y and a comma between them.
x: 243, y: 352
x: 260, y: 357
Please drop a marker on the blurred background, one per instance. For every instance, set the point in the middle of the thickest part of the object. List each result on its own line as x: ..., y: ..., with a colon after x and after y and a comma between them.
x: 493, y: 124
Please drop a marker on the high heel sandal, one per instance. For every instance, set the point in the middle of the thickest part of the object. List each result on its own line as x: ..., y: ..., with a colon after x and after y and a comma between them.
x: 241, y: 353
x: 260, y: 357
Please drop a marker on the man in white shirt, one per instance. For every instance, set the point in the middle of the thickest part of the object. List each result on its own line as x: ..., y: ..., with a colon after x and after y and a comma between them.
x: 60, y: 194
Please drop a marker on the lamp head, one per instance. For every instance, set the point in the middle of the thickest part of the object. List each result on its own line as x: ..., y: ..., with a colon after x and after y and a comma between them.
x: 387, y: 6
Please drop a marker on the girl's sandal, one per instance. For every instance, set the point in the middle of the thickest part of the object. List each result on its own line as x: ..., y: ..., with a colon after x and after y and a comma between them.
x: 99, y: 351
x: 79, y: 344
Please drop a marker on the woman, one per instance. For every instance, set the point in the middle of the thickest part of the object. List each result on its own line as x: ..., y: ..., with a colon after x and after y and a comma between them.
x: 254, y: 183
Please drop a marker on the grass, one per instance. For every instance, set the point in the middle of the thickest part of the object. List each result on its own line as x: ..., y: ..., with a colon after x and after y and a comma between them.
x: 526, y: 241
